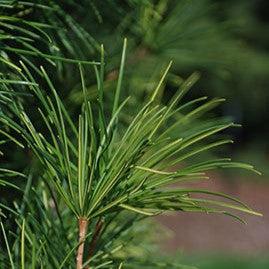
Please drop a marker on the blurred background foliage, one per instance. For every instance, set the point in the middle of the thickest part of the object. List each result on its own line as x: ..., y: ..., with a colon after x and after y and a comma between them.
x: 225, y: 41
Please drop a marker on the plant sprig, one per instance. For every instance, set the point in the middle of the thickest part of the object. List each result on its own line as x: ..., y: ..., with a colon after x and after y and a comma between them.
x: 97, y: 169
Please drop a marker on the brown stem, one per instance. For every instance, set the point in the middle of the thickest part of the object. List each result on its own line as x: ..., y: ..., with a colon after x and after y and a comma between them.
x: 96, y: 234
x: 83, y: 226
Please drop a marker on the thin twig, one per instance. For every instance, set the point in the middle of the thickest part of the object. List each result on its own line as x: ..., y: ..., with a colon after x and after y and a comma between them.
x: 98, y: 228
x: 83, y: 226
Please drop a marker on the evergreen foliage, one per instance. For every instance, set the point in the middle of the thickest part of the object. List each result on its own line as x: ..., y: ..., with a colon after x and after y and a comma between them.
x: 100, y: 166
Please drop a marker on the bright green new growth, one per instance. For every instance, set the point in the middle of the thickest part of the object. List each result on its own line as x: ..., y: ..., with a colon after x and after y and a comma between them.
x: 97, y: 168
